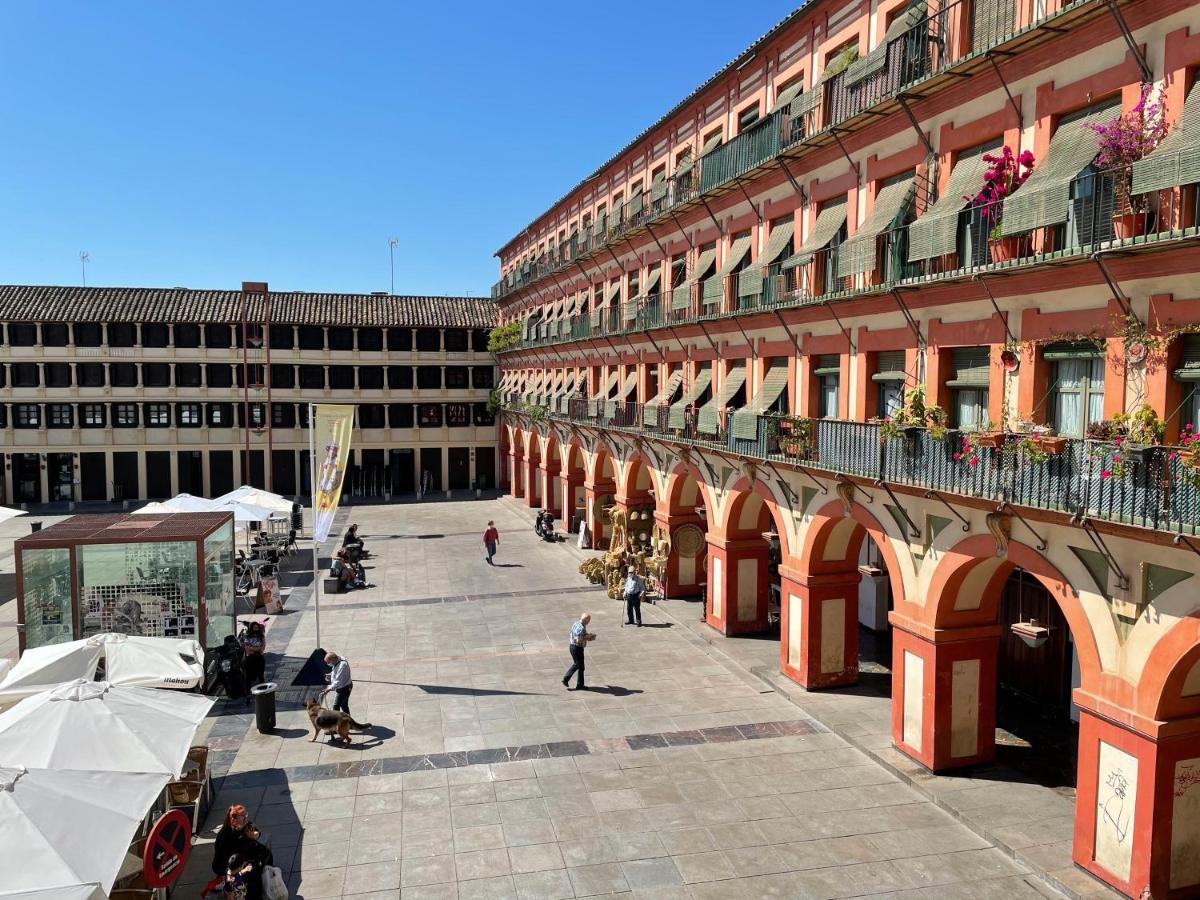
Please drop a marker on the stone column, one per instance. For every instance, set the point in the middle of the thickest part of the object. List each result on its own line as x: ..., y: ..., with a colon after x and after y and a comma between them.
x: 516, y: 473
x: 551, y: 497
x: 737, y: 584
x: 944, y: 693
x: 819, y: 627
x: 533, y: 480
x: 684, y: 576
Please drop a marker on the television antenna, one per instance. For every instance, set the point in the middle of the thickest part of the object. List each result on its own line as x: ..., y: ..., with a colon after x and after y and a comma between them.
x: 392, y: 242
x: 84, y: 259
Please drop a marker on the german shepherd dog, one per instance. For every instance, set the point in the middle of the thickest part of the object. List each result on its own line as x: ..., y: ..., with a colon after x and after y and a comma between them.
x: 337, y: 725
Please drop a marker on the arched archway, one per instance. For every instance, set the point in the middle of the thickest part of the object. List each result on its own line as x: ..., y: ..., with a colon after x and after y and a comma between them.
x: 516, y: 461
x: 548, y: 472
x: 571, y: 478
x: 837, y: 599
x: 532, y: 465
x: 684, y: 510
x: 600, y: 490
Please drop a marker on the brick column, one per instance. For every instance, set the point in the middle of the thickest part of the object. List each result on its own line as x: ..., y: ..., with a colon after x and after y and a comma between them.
x: 684, y: 576
x: 1137, y: 807
x: 568, y: 486
x: 737, y: 585
x: 533, y: 481
x: 551, y: 497
x: 592, y: 493
x: 819, y: 627
x: 944, y: 693
x: 516, y: 473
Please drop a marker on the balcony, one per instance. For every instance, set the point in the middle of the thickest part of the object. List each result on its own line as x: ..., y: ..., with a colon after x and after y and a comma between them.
x: 1155, y: 489
x: 1092, y: 224
x: 921, y: 54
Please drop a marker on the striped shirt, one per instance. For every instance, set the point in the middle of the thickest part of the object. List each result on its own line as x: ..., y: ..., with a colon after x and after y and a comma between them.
x: 577, y: 633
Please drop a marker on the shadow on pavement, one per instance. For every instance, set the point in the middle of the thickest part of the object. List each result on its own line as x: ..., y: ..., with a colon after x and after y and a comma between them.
x: 615, y: 690
x: 458, y: 691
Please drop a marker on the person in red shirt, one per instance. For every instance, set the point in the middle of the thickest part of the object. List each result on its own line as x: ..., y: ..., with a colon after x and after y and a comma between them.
x: 491, y: 540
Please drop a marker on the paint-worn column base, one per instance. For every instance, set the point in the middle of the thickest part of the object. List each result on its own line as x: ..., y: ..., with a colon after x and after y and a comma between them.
x: 685, y: 575
x: 944, y: 693
x: 533, y: 483
x: 1137, y: 808
x: 548, y: 480
x: 819, y: 628
x: 737, y: 585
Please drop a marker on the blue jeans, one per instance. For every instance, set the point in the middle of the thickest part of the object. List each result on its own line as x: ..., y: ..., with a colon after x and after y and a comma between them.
x: 491, y: 550
x: 342, y: 698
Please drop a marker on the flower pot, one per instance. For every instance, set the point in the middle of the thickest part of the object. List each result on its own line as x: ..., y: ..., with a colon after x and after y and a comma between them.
x: 1052, y: 445
x: 993, y: 439
x: 1007, y: 248
x: 1190, y: 458
x: 1127, y: 225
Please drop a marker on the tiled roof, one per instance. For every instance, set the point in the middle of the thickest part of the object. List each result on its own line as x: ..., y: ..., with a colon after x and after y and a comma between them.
x: 738, y: 60
x: 48, y: 303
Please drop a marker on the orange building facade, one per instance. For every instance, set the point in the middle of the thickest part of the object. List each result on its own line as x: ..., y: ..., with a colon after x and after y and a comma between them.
x: 864, y: 400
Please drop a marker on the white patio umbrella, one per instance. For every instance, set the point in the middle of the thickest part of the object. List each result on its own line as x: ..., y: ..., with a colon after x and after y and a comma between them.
x: 245, y: 511
x: 7, y: 513
x: 95, y: 725
x: 133, y: 660
x: 69, y: 827
x: 64, y: 892
x: 258, y: 497
x: 42, y: 668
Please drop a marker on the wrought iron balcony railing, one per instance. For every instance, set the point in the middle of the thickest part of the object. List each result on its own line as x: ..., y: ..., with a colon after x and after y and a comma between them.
x: 1156, y: 487
x: 942, y: 39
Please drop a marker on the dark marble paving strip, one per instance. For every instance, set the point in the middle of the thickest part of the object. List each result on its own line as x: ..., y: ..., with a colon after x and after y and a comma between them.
x: 397, y: 764
x: 461, y: 598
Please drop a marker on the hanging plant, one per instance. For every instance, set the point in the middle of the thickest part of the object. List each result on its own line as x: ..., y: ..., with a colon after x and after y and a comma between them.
x: 975, y: 441
x: 1005, y: 173
x: 793, y: 435
x: 1129, y: 437
x: 1131, y: 136
x: 913, y: 415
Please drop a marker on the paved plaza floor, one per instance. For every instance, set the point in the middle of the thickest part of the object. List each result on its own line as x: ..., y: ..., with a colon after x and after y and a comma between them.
x: 684, y: 772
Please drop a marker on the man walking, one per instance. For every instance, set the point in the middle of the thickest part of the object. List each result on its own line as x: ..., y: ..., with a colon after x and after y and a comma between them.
x: 491, y: 540
x: 580, y: 637
x: 634, y: 588
x: 340, y: 681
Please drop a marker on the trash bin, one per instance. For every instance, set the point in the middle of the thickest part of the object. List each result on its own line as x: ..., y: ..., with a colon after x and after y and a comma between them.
x: 264, y: 706
x: 35, y: 526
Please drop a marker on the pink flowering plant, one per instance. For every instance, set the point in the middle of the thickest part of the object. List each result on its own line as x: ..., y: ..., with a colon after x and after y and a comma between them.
x: 1005, y: 173
x: 1129, y: 137
x: 1123, y: 436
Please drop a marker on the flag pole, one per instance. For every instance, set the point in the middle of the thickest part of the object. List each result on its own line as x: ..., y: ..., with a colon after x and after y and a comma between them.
x: 312, y: 477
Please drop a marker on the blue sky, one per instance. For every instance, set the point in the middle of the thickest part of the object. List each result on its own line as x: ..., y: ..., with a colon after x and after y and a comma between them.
x: 203, y: 144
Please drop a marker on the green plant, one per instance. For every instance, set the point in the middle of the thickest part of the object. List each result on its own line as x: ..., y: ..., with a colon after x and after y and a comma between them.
x: 839, y: 63
x: 792, y: 434
x: 975, y: 440
x: 916, y: 413
x: 1126, y: 433
x: 535, y: 411
x: 504, y: 336
x: 495, y: 402
x: 1032, y: 449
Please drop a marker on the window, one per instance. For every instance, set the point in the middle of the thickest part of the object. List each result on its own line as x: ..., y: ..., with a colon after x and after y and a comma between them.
x: 59, y: 415
x: 458, y: 415
x: 482, y: 416
x: 370, y: 339
x: 827, y: 372
x: 158, y: 415
x: 312, y: 377
x: 218, y: 375
x: 371, y: 415
x: 429, y: 339
x: 341, y: 377
x: 155, y: 334
x: 457, y: 377
x: 457, y: 340
x: 312, y: 337
x: 55, y: 334
x: 429, y: 377
x: 483, y: 377
x: 187, y: 374
x: 22, y: 334
x: 25, y: 375
x: 156, y: 375
x: 123, y: 374
x: 58, y: 375
x: 479, y: 341
x: 219, y: 415
x: 122, y: 334
x: 90, y: 374
x: 258, y: 418
x: 400, y: 377
x: 341, y: 338
x: 125, y: 415
x: 187, y: 337
x: 187, y: 415
x: 370, y: 378
x: 969, y: 385
x: 283, y: 415
x: 889, y: 383
x: 747, y: 117
x: 91, y: 415
x: 400, y: 339
x: 400, y: 415
x: 219, y: 337
x: 1077, y: 388
x: 27, y: 415
x: 1188, y: 373
x: 88, y: 334
x: 429, y: 415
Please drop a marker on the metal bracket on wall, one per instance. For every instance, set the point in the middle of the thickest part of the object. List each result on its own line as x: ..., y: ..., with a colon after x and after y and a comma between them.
x: 845, y: 330
x: 1180, y: 539
x: 842, y: 147
x: 908, y: 317
x: 1003, y: 316
x: 902, y: 99
x: 682, y: 230
x: 609, y: 248
x: 1012, y: 101
x: 742, y: 188
x: 809, y: 475
x: 1007, y: 507
x: 913, y: 530
x: 661, y: 249
x: 1138, y: 56
x: 1094, y: 536
x: 934, y: 495
x: 795, y: 184
x: 842, y: 479
x: 708, y: 209
x: 788, y: 332
x: 1118, y: 294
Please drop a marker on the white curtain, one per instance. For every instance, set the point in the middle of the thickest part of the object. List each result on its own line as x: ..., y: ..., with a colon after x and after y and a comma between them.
x: 829, y: 396
x: 891, y: 398
x: 971, y: 408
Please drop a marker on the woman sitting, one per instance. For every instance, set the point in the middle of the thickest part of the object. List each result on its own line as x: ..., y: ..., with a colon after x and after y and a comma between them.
x: 238, y: 837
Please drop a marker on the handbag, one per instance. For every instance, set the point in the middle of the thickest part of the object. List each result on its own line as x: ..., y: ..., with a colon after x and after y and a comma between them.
x: 274, y: 887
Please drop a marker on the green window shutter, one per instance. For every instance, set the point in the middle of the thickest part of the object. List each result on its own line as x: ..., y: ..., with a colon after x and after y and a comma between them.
x: 877, y: 59
x: 935, y: 233
x: 992, y: 21
x: 658, y: 187
x: 889, y: 366
x: 1072, y: 350
x: 1045, y: 198
x: 698, y: 386
x: 652, y: 280
x: 971, y: 367
x: 1189, y: 358
x: 828, y: 364
x: 857, y: 253
x: 628, y: 387
x: 745, y: 420
x: 713, y: 288
x: 613, y: 295
x: 606, y: 387
x: 787, y: 95
x: 681, y: 295
x: 1175, y: 161
x: 829, y: 222
x: 750, y: 280
x: 685, y: 165
x: 650, y: 410
x: 634, y: 206
x: 711, y: 144
x: 706, y: 418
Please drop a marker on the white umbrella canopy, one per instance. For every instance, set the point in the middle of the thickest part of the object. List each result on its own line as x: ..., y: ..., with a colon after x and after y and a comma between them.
x: 63, y: 892
x: 244, y: 511
x: 133, y: 660
x: 7, y: 513
x: 258, y: 497
x: 69, y: 827
x: 41, y: 668
x: 94, y: 725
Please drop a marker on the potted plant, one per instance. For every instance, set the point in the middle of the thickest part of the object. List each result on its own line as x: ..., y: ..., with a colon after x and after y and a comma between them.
x: 791, y: 435
x: 1005, y: 173
x: 1189, y: 439
x: 914, y: 416
x: 1123, y: 141
x: 975, y: 441
x: 1131, y: 437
